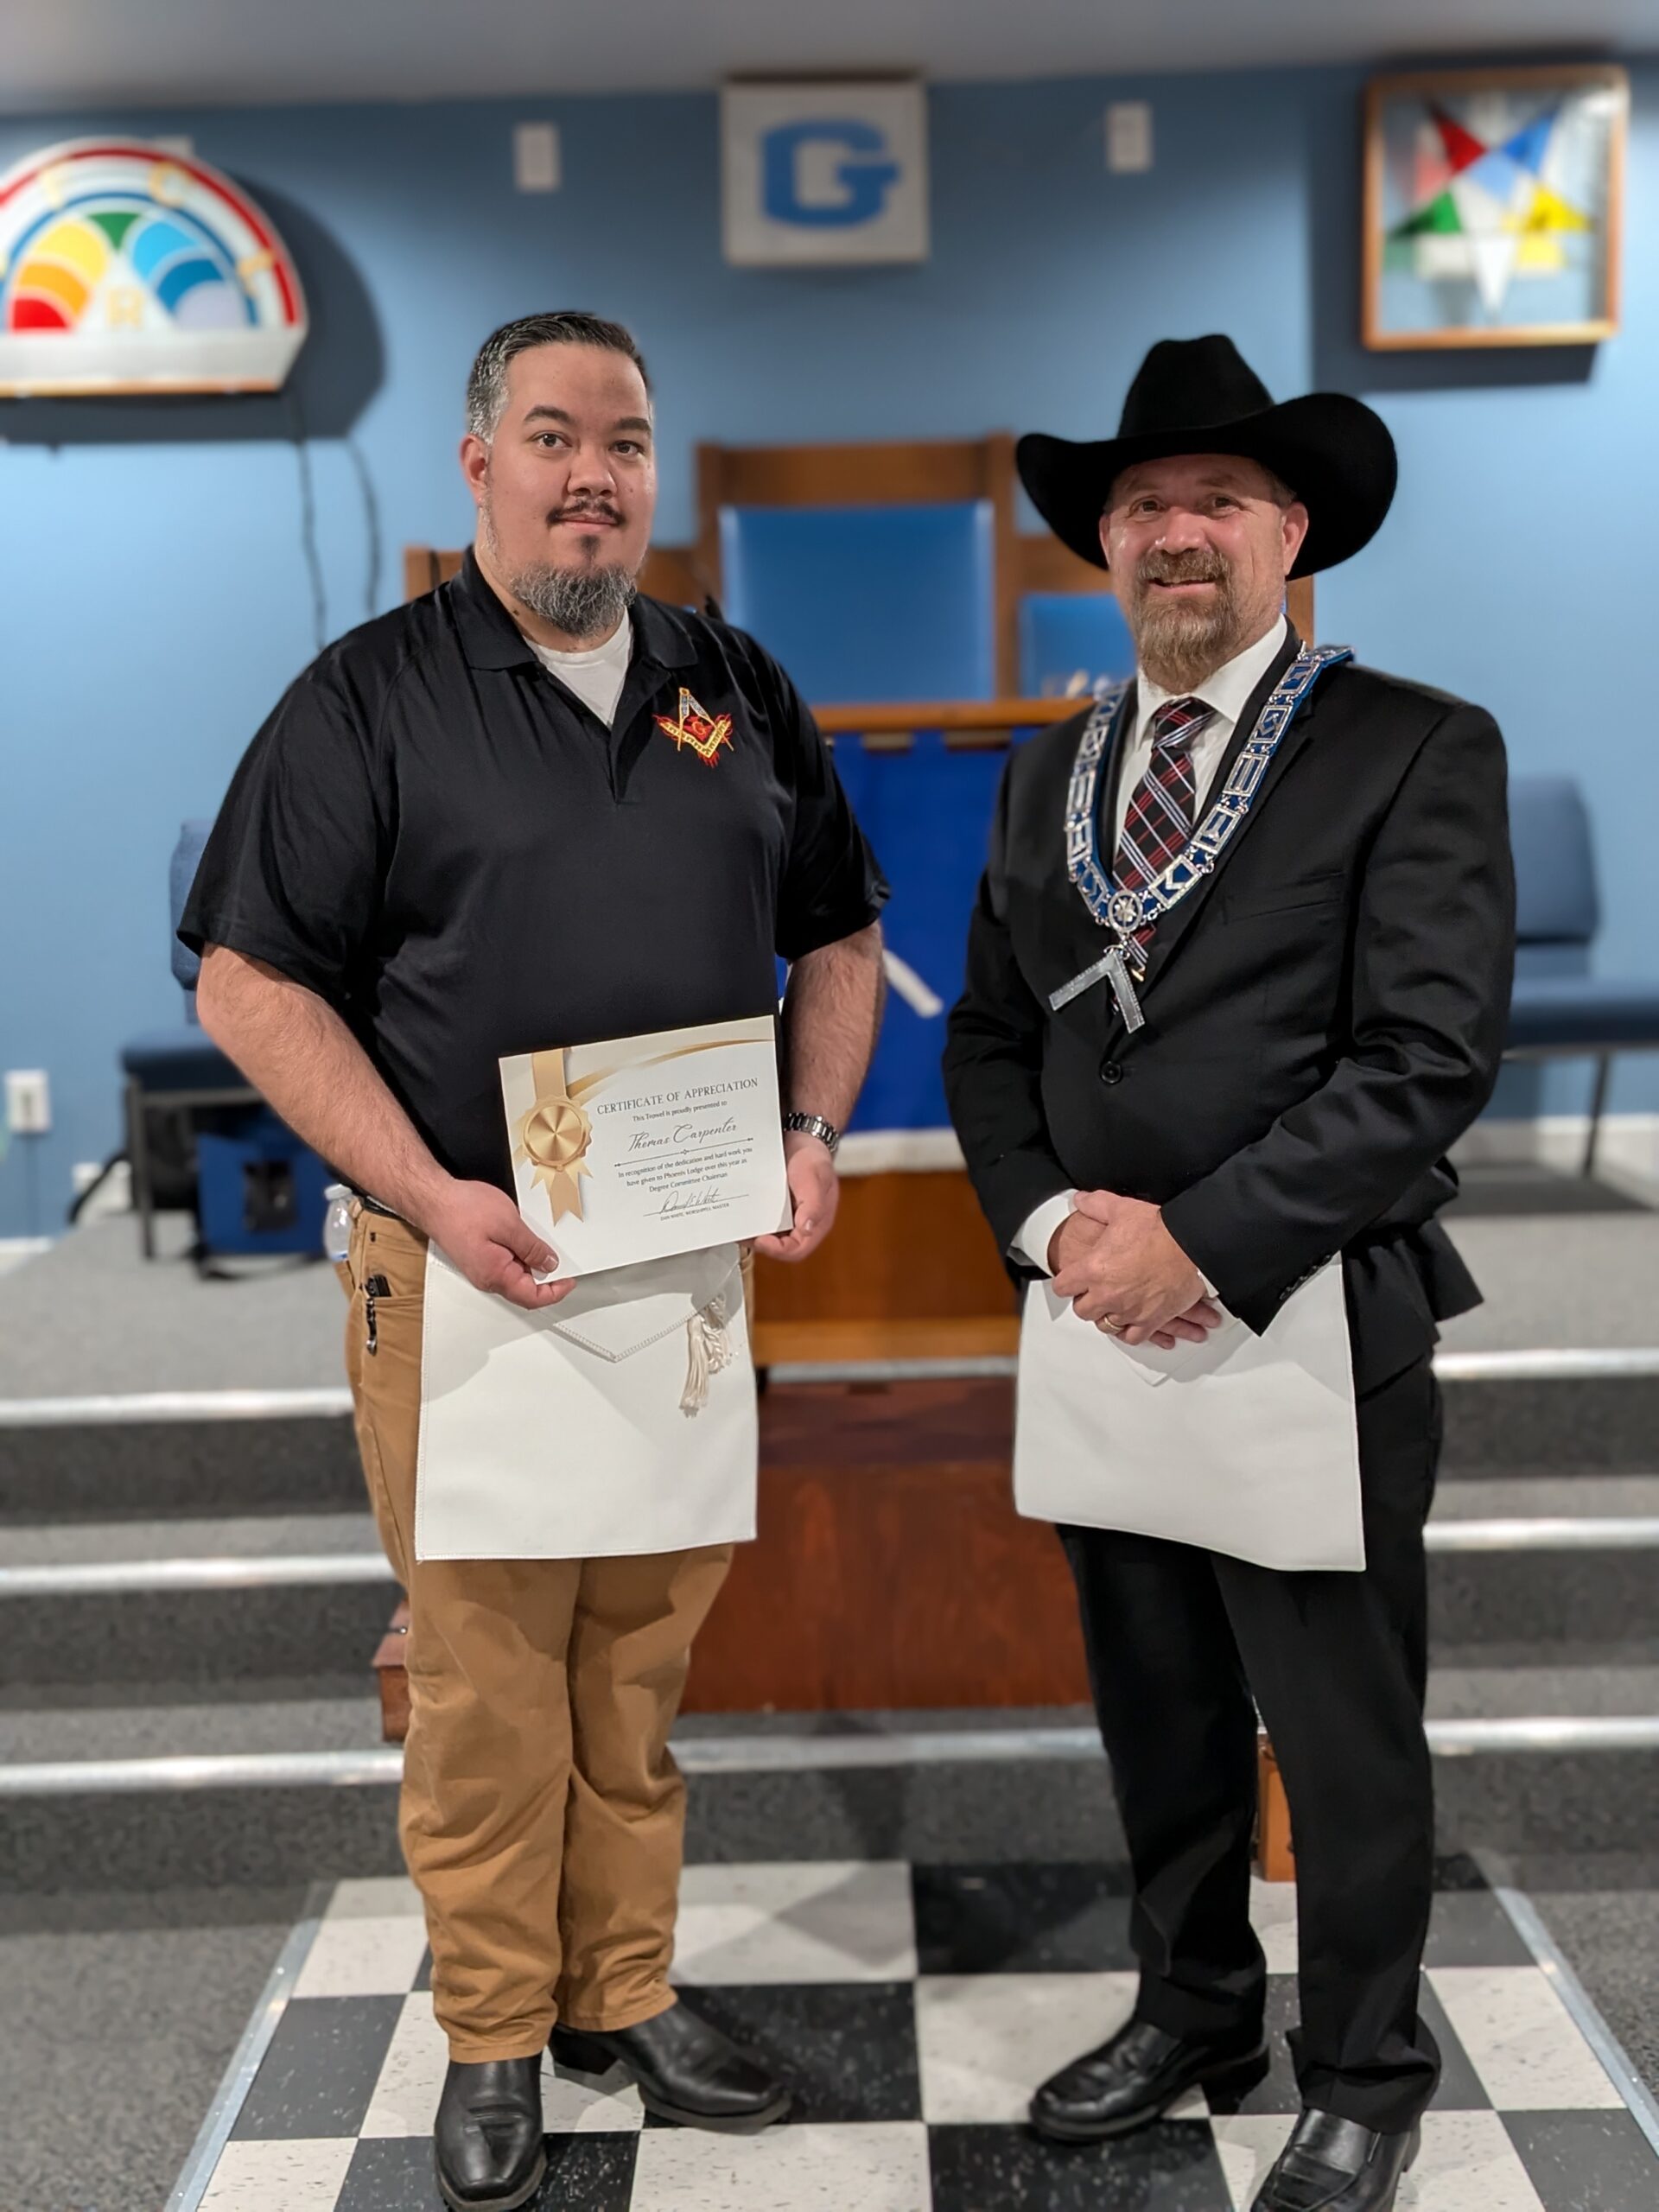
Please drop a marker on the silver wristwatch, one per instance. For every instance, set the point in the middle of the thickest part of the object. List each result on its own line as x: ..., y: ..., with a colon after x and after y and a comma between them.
x: 814, y: 1125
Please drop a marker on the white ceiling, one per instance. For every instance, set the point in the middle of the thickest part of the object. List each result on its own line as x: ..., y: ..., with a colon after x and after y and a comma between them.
x: 175, y: 53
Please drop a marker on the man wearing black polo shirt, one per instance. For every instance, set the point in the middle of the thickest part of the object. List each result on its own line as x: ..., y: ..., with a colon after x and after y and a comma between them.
x: 472, y: 827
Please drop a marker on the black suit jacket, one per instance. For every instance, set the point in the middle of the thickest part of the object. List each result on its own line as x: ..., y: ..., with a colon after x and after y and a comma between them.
x: 1324, y: 1013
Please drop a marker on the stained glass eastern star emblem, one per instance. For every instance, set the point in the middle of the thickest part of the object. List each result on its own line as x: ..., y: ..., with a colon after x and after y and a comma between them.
x: 707, y: 734
x: 1497, y: 209
x: 1485, y: 211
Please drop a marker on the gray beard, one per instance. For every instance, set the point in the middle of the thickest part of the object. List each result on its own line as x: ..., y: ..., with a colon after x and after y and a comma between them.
x: 1179, y: 647
x: 581, y: 602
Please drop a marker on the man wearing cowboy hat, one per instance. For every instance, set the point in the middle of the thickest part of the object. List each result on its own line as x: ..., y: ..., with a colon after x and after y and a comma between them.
x: 1236, y: 980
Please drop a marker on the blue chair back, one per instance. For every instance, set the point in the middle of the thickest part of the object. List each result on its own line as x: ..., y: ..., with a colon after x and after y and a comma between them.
x: 867, y: 602
x: 181, y: 874
x: 1072, y: 643
x: 1558, y: 909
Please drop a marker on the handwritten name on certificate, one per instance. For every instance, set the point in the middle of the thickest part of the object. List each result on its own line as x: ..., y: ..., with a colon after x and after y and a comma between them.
x: 648, y: 1146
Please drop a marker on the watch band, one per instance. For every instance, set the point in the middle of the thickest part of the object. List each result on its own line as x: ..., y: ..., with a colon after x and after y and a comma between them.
x: 814, y: 1125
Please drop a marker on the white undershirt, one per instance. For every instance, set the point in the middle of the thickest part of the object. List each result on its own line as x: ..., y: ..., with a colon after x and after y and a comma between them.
x: 1228, y: 691
x: 597, y: 673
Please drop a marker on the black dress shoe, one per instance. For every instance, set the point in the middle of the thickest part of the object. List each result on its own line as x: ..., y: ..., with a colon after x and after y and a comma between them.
x: 1336, y: 2165
x: 488, y: 2138
x: 685, y: 2071
x: 1135, y: 2077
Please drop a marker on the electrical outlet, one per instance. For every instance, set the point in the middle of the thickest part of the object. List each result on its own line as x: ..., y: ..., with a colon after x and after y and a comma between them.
x: 29, y: 1102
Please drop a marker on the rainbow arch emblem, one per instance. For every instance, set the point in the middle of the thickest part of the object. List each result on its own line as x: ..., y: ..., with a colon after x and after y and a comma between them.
x: 125, y: 267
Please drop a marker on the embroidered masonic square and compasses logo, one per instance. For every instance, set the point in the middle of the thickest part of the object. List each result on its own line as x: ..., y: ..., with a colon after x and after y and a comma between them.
x: 707, y: 734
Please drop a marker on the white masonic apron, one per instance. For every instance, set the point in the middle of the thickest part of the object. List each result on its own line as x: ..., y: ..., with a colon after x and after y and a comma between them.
x: 621, y: 1421
x: 1244, y: 1443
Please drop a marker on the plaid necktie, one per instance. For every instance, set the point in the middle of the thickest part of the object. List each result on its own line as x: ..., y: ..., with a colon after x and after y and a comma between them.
x: 1159, y: 820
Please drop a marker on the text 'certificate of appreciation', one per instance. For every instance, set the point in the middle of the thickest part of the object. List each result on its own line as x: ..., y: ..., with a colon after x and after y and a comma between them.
x: 648, y: 1146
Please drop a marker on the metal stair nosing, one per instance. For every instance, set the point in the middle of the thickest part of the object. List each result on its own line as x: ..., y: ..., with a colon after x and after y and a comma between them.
x: 1540, y: 1364
x: 745, y: 1754
x: 229, y: 1571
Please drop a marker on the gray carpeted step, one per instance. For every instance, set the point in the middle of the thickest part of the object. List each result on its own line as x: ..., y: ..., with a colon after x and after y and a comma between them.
x: 109, y: 1471
x: 193, y: 1635
x: 167, y: 1839
x: 1538, y: 1600
x: 1605, y: 1424
x: 1539, y: 1804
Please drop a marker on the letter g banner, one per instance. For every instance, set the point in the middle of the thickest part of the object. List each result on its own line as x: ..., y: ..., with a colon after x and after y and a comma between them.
x: 825, y: 173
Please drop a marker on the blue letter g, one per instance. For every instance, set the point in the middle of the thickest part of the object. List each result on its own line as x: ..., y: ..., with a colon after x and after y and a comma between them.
x: 863, y: 184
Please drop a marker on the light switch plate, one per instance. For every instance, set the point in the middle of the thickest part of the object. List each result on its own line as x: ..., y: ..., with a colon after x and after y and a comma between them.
x: 29, y: 1102
x: 536, y: 166
x: 1129, y: 137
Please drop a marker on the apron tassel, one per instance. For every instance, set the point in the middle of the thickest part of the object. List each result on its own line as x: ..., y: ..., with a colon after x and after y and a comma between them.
x: 710, y: 1350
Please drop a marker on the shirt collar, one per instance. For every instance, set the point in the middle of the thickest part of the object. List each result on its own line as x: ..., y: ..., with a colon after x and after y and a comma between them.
x: 1229, y: 689
x: 491, y: 638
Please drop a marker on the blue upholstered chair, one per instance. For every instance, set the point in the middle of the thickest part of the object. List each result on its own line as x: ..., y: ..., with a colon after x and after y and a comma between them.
x: 1072, y: 643
x: 874, y: 572
x: 1559, y: 1010
x: 890, y: 602
x: 178, y: 1067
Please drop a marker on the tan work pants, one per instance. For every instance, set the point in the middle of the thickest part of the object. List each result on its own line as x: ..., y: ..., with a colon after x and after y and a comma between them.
x: 543, y: 1812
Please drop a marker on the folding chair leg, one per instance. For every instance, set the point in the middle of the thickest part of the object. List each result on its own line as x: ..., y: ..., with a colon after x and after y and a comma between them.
x: 139, y: 1165
x: 1598, y: 1100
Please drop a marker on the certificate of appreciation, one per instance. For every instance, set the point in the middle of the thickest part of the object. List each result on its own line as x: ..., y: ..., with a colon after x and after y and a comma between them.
x: 646, y: 1147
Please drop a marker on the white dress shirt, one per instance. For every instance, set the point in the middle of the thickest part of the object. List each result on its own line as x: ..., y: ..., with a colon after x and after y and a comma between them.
x: 1228, y: 691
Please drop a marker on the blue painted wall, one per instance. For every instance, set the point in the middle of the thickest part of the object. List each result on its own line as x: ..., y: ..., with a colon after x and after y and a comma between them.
x: 155, y: 595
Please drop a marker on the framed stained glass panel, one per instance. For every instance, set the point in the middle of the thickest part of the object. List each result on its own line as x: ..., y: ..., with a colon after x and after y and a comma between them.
x: 1493, y: 206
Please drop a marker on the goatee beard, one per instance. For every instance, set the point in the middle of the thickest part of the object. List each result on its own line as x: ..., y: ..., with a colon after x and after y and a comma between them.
x: 1179, y: 645
x: 581, y: 602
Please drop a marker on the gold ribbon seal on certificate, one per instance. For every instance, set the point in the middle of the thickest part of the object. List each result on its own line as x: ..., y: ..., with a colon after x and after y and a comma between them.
x: 554, y: 1136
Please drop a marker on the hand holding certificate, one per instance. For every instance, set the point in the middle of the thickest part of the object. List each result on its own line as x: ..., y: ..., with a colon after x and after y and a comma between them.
x: 646, y: 1147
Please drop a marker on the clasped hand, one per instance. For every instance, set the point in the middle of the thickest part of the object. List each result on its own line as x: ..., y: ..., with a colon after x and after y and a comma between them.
x: 1122, y: 1270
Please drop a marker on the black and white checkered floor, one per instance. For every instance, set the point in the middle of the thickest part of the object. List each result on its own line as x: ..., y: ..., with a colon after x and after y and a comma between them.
x: 913, y: 2008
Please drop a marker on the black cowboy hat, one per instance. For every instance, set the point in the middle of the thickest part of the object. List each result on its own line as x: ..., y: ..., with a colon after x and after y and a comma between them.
x: 1199, y: 395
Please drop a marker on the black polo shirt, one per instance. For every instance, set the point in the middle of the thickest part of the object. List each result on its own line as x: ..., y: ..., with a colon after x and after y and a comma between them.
x: 438, y: 838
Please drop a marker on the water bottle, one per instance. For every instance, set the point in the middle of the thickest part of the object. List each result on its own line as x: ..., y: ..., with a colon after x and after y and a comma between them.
x: 337, y: 1223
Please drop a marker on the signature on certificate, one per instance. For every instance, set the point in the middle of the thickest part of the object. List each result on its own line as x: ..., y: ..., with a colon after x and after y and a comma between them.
x: 695, y: 1198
